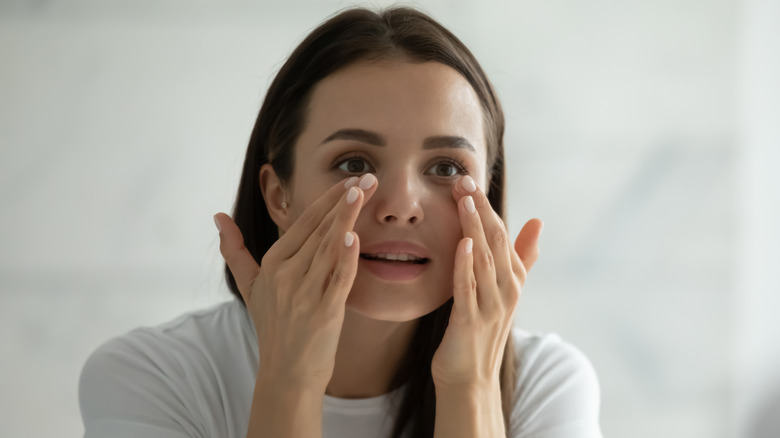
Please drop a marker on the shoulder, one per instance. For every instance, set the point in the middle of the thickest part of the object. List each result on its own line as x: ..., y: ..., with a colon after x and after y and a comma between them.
x: 154, y: 380
x: 191, y: 336
x: 557, y: 392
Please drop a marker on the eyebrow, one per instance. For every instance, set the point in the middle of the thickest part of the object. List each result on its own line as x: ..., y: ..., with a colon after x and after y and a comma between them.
x: 374, y: 139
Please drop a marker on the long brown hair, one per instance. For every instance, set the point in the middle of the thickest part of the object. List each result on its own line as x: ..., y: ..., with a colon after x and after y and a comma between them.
x: 359, y: 35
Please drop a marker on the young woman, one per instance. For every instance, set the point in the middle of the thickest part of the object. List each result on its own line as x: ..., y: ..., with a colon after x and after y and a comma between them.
x: 374, y: 277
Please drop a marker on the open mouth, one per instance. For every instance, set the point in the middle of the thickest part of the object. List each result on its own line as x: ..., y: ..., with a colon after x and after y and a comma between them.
x: 400, y: 259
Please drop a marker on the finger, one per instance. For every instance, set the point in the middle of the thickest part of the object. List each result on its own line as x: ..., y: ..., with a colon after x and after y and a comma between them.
x: 495, y: 232
x: 307, y: 252
x: 343, y: 275
x: 464, y: 283
x: 484, y: 263
x: 527, y: 242
x: 310, y: 219
x: 238, y: 258
x: 327, y: 257
x: 466, y: 185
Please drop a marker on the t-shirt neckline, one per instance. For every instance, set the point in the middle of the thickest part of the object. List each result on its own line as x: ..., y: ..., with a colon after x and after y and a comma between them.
x: 362, y: 404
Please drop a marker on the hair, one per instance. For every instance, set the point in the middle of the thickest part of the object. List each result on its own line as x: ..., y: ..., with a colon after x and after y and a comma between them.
x: 351, y: 36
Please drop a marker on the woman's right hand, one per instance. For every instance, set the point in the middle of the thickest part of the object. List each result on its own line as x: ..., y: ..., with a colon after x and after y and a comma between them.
x: 297, y: 296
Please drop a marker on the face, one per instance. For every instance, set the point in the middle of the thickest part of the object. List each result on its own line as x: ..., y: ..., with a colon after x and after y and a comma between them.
x: 418, y: 128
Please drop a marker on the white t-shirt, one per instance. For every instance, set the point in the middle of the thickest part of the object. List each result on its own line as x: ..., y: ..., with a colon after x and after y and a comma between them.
x: 195, y: 376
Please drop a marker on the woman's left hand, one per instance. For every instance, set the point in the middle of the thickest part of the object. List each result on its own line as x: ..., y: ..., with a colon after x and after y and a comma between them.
x: 488, y: 278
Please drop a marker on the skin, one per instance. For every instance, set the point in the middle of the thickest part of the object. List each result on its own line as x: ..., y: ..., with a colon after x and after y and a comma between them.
x: 330, y: 327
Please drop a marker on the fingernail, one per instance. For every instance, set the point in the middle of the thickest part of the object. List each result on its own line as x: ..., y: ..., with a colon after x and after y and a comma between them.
x: 351, y: 182
x: 367, y: 181
x: 216, y: 222
x: 470, y: 204
x: 352, y: 195
x: 349, y: 239
x: 469, y: 245
x: 468, y: 184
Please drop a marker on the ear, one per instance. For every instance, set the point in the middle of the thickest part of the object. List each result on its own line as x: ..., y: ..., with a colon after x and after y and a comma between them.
x: 273, y: 195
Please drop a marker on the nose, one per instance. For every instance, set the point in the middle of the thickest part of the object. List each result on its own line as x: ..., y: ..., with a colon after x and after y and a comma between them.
x: 397, y: 199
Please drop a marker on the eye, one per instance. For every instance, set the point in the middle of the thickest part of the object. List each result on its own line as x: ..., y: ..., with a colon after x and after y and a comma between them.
x: 354, y: 164
x: 447, y: 168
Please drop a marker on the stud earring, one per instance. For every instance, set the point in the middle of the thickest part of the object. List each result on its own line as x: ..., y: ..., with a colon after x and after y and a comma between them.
x: 284, y: 205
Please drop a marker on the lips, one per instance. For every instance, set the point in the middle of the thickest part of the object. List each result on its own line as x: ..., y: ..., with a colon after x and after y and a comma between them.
x: 395, y: 251
x: 385, y: 261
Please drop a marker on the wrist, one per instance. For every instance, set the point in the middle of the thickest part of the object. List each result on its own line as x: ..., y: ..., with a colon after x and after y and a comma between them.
x: 291, y: 387
x: 282, y: 410
x: 472, y: 410
x: 480, y: 391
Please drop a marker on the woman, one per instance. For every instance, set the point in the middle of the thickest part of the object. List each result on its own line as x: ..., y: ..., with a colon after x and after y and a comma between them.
x: 374, y: 277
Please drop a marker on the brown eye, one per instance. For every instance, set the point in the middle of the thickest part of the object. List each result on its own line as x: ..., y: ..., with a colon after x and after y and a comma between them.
x: 447, y: 169
x: 354, y: 165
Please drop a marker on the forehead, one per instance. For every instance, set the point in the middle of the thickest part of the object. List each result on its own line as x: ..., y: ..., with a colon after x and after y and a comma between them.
x: 402, y: 100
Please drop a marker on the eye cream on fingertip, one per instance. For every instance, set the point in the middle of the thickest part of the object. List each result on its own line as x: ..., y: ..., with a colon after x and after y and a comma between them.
x: 349, y: 239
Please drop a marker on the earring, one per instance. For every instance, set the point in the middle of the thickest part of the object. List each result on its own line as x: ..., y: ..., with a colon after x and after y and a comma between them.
x: 284, y: 205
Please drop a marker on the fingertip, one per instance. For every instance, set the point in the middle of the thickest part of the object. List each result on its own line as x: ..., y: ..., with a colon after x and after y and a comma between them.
x: 216, y: 222
x: 367, y: 181
x: 468, y: 184
x: 351, y: 240
x: 350, y: 182
x: 457, y: 189
x: 353, y: 194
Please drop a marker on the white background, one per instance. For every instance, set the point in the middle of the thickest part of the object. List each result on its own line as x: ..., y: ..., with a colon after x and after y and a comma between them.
x: 644, y: 133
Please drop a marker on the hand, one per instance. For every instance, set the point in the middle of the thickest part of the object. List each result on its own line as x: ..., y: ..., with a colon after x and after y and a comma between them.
x: 487, y: 284
x: 296, y: 297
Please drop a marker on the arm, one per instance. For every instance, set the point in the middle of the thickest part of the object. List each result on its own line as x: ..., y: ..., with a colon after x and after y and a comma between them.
x: 296, y: 300
x: 487, y: 282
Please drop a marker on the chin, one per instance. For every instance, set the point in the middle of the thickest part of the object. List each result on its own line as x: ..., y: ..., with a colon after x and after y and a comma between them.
x: 395, y: 302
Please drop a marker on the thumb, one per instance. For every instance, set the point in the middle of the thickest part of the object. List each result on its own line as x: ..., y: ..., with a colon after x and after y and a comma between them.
x: 527, y: 242
x: 238, y: 258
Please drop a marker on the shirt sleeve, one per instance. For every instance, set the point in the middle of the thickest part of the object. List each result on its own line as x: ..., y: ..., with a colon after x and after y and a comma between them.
x: 128, y: 390
x: 558, y: 393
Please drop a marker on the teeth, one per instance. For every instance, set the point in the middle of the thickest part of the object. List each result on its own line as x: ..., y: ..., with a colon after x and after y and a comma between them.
x: 400, y: 257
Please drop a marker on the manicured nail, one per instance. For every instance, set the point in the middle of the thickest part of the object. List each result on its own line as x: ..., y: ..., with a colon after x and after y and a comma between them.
x: 351, y: 182
x: 349, y: 239
x: 469, y: 245
x: 470, y: 204
x: 352, y: 195
x: 468, y: 184
x: 367, y: 181
x: 216, y: 222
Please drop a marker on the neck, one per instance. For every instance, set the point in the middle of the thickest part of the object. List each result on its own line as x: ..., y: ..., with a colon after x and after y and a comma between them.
x: 368, y: 356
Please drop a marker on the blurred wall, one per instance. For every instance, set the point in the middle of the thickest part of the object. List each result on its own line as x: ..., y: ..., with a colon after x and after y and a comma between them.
x: 756, y: 296
x: 640, y: 132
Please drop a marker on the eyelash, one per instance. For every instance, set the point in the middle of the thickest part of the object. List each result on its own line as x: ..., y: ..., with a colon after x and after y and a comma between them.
x: 459, y: 166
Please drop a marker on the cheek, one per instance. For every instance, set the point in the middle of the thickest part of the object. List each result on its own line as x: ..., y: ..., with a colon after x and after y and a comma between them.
x: 446, y: 222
